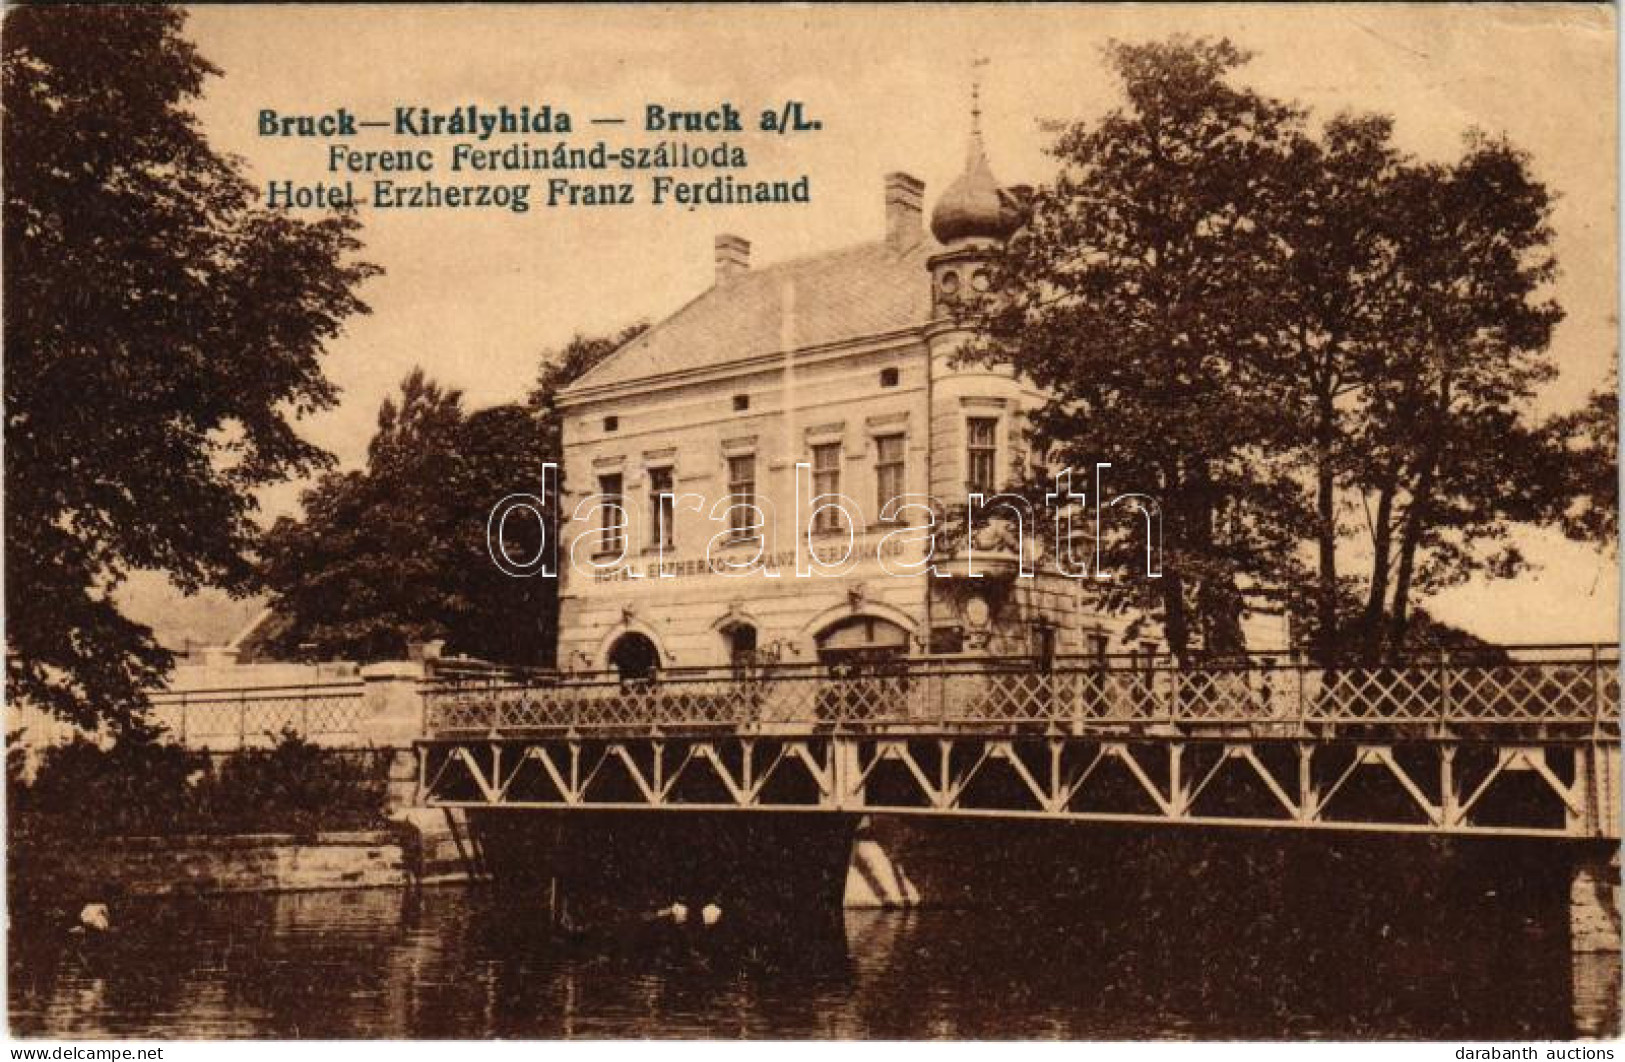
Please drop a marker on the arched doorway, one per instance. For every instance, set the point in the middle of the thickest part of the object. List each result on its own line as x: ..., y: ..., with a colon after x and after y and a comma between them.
x: 634, y: 657
x: 863, y: 645
x: 867, y: 657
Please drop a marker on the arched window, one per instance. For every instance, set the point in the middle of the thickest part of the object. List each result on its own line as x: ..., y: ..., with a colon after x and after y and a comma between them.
x: 741, y: 641
x: 634, y: 656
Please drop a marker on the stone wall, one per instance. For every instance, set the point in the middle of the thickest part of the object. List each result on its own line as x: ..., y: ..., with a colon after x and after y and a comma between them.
x: 182, y: 865
x: 423, y: 847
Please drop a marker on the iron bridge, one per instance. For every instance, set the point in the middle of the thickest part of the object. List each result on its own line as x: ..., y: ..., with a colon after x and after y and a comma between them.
x: 1514, y: 743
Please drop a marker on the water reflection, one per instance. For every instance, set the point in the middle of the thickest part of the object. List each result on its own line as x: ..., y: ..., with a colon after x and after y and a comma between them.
x: 455, y: 962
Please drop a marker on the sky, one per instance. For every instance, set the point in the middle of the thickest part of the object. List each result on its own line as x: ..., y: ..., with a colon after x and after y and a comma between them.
x: 475, y: 297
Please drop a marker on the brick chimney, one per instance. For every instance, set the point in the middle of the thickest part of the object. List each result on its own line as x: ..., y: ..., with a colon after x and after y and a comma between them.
x: 905, y: 196
x: 733, y: 256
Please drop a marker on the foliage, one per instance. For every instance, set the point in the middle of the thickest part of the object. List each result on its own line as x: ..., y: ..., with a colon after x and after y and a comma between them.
x: 1134, y: 296
x: 295, y: 786
x: 1423, y: 634
x: 139, y: 785
x: 506, y: 619
x: 1442, y: 406
x: 1302, y: 342
x: 17, y: 787
x: 162, y: 333
x: 142, y: 786
x: 398, y: 552
x: 379, y: 557
x: 1589, y: 499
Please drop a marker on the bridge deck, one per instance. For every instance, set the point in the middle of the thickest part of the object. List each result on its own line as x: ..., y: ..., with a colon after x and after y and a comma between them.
x: 1505, y: 746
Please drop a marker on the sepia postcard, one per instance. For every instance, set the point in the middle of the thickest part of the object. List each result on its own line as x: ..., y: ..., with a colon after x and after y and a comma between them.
x: 767, y: 522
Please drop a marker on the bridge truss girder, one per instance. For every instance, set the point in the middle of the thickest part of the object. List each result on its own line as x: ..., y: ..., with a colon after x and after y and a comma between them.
x: 1561, y: 789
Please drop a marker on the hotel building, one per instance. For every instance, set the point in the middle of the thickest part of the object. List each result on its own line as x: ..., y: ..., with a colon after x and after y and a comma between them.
x: 841, y: 361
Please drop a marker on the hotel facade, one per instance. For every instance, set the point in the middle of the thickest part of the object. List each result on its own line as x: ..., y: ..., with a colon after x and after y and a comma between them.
x: 843, y: 363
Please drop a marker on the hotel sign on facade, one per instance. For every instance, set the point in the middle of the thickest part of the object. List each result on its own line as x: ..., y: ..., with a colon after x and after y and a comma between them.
x: 771, y: 566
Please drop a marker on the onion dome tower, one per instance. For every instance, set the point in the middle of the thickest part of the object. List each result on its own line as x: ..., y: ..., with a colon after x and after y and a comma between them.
x: 978, y: 411
x: 971, y: 219
x: 973, y: 208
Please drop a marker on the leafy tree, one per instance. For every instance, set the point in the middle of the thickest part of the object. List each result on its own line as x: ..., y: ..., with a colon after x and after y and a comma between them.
x: 1334, y: 249
x: 1588, y: 438
x: 397, y: 552
x: 350, y: 578
x: 510, y: 619
x: 1410, y: 333
x: 17, y: 787
x: 1445, y: 408
x: 1305, y: 343
x: 162, y: 333
x: 1134, y: 297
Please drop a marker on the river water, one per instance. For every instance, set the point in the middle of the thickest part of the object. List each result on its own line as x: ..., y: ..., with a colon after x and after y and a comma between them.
x: 454, y: 961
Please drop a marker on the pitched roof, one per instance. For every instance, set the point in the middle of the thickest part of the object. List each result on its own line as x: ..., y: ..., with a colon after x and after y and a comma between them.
x: 868, y: 289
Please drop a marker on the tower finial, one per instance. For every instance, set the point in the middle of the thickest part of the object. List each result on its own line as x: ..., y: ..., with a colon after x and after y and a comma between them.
x: 976, y: 95
x: 972, y: 206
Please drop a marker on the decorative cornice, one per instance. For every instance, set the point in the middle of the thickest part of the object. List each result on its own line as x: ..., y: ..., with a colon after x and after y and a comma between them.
x: 883, y: 342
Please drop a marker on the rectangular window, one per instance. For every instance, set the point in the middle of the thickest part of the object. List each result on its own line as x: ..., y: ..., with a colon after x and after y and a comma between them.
x: 888, y: 470
x: 826, y: 479
x: 1045, y: 646
x: 741, y: 492
x: 663, y: 505
x: 612, y: 513
x: 981, y: 454
x: 1098, y: 645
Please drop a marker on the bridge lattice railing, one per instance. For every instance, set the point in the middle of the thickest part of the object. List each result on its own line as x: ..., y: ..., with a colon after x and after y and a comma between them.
x: 1550, y: 690
x: 255, y: 717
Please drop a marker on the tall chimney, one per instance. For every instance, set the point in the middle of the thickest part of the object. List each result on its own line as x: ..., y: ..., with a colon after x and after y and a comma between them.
x: 733, y: 256
x: 905, y: 196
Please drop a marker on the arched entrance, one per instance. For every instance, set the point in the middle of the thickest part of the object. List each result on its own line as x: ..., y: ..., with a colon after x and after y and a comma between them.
x: 868, y: 659
x: 863, y: 645
x: 634, y: 656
